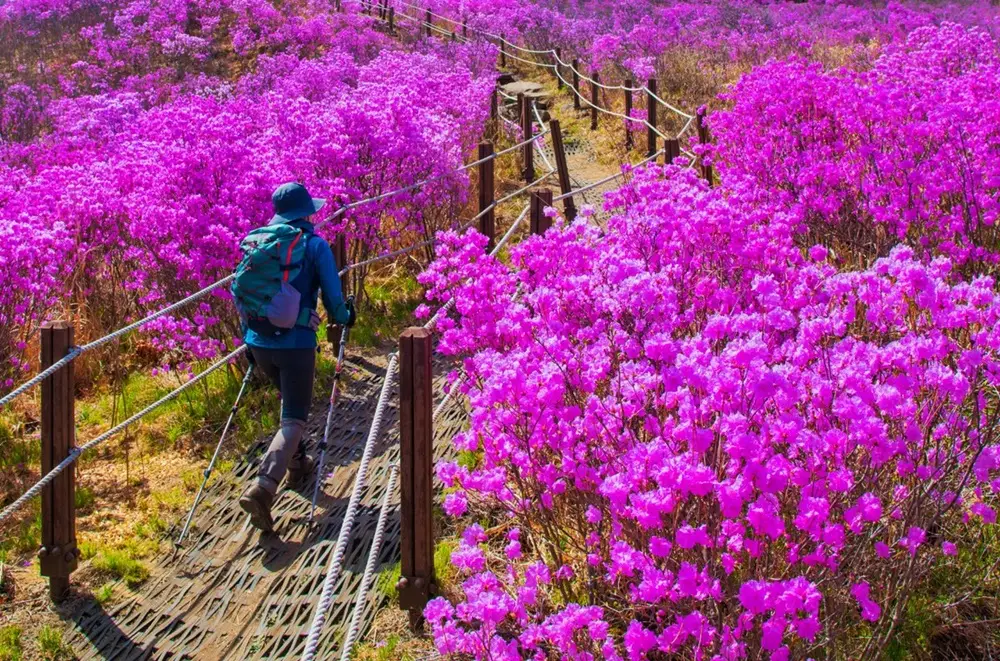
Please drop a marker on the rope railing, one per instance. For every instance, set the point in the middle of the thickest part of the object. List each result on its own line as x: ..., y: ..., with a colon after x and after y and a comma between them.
x: 335, y: 566
x: 596, y: 184
x: 462, y: 228
x: 77, y: 351
x: 354, y: 629
x: 75, y: 453
x: 555, y: 55
x: 690, y: 118
x: 366, y: 580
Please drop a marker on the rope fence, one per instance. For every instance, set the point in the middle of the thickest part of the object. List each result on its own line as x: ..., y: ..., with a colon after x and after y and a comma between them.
x: 77, y: 451
x: 90, y: 346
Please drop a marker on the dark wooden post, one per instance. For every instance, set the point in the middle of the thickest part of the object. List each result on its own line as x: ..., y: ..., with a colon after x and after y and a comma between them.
x: 465, y: 29
x: 487, y: 223
x: 58, y: 556
x: 503, y: 51
x: 528, y: 131
x: 337, y: 8
x: 671, y: 150
x: 628, y: 113
x: 562, y: 169
x: 594, y: 91
x: 392, y: 19
x: 651, y: 115
x: 429, y: 22
x: 704, y: 137
x: 416, y: 446
x: 558, y: 71
x: 576, y: 84
x: 495, y: 110
x: 334, y: 331
x: 539, y: 221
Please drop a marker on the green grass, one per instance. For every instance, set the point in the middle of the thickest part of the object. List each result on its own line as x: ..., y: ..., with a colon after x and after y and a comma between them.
x: 15, y: 449
x: 387, y: 311
x: 384, y: 651
x: 385, y: 583
x: 121, y: 564
x: 25, y: 537
x: 11, y: 647
x: 51, y: 644
x: 84, y: 498
x: 105, y: 593
x: 444, y: 571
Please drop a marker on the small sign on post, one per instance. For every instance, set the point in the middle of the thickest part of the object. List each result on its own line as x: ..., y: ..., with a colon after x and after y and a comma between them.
x: 540, y: 199
x: 487, y: 220
x: 58, y: 557
x: 416, y: 447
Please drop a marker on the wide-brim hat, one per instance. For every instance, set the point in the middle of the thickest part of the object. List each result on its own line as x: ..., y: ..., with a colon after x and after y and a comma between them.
x: 292, y: 202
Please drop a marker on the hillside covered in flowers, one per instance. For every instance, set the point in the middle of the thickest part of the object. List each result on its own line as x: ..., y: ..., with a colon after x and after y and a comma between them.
x: 753, y: 418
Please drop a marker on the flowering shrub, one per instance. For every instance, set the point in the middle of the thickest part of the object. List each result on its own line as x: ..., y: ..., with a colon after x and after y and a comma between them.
x: 709, y: 448
x: 136, y: 197
x: 903, y: 152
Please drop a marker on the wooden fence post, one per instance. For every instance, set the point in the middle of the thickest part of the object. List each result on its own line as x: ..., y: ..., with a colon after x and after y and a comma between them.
x: 487, y: 223
x: 528, y: 131
x: 495, y: 111
x: 651, y: 115
x: 671, y: 150
x: 58, y: 556
x: 594, y: 91
x: 465, y: 29
x: 416, y: 446
x: 563, y: 170
x: 704, y: 137
x: 337, y: 7
x: 429, y: 21
x: 576, y: 84
x: 559, y: 83
x: 392, y: 19
x: 539, y: 221
x: 628, y: 113
x: 334, y: 331
x: 503, y: 51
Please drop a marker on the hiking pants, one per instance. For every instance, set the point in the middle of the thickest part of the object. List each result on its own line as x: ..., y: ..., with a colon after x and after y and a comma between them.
x: 291, y: 371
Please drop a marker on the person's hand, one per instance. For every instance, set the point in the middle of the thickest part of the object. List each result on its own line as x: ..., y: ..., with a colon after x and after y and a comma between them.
x: 351, y: 312
x: 313, y: 320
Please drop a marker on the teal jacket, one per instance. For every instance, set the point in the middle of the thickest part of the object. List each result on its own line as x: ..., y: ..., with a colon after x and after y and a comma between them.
x: 319, y: 273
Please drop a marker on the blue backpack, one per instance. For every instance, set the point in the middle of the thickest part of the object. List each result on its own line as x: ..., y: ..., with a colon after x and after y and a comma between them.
x: 272, y: 256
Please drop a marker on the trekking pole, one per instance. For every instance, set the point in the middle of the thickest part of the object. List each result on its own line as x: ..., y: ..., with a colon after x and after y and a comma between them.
x: 329, y: 418
x: 215, y: 456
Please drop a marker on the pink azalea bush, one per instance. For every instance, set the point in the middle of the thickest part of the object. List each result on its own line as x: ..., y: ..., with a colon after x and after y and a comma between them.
x: 713, y: 448
x: 135, y: 197
x: 863, y: 160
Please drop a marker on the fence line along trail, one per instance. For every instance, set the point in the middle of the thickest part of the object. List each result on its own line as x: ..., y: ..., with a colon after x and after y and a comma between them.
x: 226, y: 595
x: 227, y: 592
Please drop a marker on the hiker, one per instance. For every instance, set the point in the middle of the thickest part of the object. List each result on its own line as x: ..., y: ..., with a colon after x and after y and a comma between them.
x: 276, y: 288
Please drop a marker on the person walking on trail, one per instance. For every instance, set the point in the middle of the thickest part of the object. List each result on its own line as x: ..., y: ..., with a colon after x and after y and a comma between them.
x: 276, y: 287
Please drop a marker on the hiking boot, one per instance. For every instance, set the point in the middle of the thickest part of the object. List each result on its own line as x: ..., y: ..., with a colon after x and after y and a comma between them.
x: 300, y: 471
x: 256, y: 501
